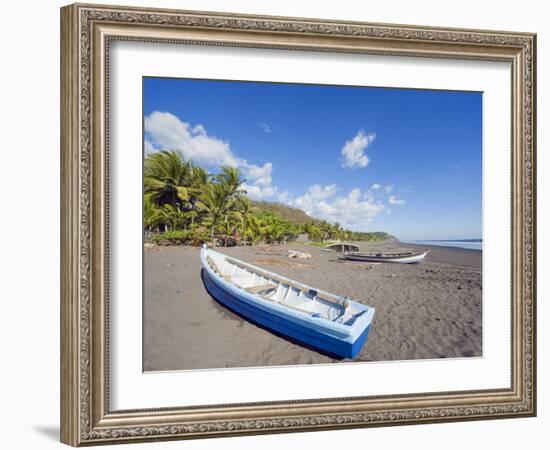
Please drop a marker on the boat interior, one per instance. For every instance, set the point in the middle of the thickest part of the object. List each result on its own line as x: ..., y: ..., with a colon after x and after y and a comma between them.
x: 287, y: 293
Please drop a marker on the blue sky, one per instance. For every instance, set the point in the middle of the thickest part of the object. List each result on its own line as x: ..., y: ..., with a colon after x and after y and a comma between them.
x: 405, y: 161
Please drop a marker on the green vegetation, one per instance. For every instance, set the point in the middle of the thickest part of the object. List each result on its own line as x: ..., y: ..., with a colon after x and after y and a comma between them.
x: 184, y: 204
x: 179, y: 237
x: 286, y: 212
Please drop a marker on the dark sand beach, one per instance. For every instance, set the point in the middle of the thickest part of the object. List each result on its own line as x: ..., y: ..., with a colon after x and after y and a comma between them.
x: 423, y: 311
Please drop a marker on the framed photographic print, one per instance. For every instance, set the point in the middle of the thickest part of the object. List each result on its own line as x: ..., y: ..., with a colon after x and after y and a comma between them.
x: 276, y: 224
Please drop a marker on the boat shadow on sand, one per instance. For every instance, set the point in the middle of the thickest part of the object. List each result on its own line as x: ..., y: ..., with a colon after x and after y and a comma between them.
x: 225, y: 308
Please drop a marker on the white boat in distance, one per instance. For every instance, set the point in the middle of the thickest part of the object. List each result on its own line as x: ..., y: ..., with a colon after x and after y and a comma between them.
x: 398, y: 257
x: 332, y: 324
x: 341, y: 247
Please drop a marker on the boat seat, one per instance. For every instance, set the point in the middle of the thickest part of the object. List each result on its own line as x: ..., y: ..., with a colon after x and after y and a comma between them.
x: 262, y: 289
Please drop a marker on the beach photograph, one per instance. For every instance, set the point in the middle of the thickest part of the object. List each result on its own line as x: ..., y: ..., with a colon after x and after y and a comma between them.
x: 294, y: 224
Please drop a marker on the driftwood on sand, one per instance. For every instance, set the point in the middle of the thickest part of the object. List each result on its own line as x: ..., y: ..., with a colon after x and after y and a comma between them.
x: 299, y: 255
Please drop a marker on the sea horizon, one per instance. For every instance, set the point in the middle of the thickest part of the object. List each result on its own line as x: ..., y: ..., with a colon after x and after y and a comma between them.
x: 470, y: 244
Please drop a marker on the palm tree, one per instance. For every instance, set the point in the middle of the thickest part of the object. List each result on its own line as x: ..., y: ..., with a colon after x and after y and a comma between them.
x: 153, y: 217
x: 182, y: 196
x: 191, y: 215
x: 166, y: 178
x: 216, y: 204
x: 256, y: 229
x: 326, y: 230
x: 314, y: 232
x: 166, y: 217
x: 337, y: 231
x: 175, y: 216
x: 227, y: 228
x: 232, y: 180
x: 199, y: 177
x: 244, y: 208
x: 277, y: 232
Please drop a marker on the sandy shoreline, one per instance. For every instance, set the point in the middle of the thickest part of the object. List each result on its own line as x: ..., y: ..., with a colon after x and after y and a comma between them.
x: 425, y: 311
x: 451, y: 255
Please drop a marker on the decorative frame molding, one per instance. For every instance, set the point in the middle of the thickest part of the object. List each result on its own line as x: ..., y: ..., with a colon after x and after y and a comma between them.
x: 86, y: 31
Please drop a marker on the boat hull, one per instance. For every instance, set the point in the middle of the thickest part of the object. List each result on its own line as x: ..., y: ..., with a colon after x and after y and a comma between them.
x: 341, y: 248
x: 309, y: 337
x: 412, y: 259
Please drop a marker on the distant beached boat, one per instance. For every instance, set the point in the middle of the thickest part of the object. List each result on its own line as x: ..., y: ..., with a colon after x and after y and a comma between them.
x: 341, y: 247
x: 325, y: 322
x: 401, y: 257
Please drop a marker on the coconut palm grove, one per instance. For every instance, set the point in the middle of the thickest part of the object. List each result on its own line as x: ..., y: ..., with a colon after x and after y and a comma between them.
x: 186, y: 204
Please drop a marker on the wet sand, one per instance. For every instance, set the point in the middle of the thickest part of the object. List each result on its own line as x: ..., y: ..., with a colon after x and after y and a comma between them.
x: 423, y: 311
x: 450, y: 255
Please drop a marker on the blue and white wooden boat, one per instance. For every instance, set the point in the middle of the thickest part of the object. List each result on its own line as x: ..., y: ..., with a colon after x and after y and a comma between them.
x: 341, y: 247
x: 400, y: 258
x: 333, y: 325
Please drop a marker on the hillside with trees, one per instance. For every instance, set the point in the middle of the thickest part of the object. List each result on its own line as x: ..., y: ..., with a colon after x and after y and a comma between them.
x: 185, y: 204
x: 286, y: 212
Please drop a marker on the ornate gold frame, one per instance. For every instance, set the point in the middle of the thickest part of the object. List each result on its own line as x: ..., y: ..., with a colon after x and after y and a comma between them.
x: 86, y: 31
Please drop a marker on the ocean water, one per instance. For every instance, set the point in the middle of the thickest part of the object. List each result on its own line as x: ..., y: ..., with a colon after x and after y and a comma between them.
x: 472, y: 244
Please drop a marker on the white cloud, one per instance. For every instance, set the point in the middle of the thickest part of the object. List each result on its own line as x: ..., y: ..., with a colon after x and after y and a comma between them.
x: 376, y: 186
x: 165, y: 131
x: 269, y: 193
x: 265, y: 127
x: 370, y: 196
x: 351, y: 210
x: 388, y: 189
x: 199, y: 129
x: 259, y: 192
x: 260, y: 175
x: 148, y: 147
x: 393, y: 200
x: 353, y: 151
x: 168, y: 132
x: 284, y: 197
x: 318, y: 192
